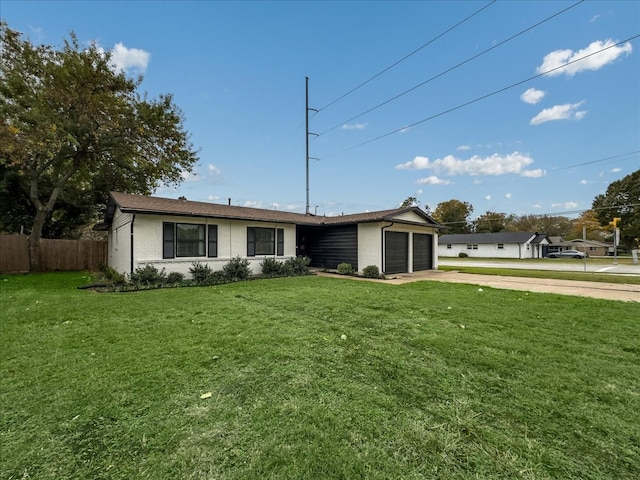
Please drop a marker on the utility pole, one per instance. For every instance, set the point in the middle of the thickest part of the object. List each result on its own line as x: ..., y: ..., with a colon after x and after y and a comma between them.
x: 616, y: 238
x: 307, y: 110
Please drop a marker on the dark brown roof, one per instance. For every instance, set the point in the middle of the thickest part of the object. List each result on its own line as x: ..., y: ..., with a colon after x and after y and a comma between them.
x: 167, y: 206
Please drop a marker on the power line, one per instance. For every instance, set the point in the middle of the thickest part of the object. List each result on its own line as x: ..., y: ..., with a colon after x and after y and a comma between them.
x: 408, y: 55
x: 452, y: 68
x: 600, y: 160
x: 483, y: 97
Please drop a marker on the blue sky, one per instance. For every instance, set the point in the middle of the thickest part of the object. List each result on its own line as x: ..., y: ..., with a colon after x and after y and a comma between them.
x: 448, y: 104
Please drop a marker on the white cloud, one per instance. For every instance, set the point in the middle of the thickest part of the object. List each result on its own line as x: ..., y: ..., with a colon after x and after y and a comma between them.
x: 592, y: 60
x: 559, y: 112
x: 537, y: 205
x: 252, y: 204
x: 487, y: 197
x: 463, y: 148
x: 584, y: 182
x: 507, y: 195
x: 129, y: 59
x: 213, y: 170
x: 565, y: 205
x: 532, y: 96
x: 418, y: 163
x: 495, y: 164
x: 213, y: 198
x: 188, y: 176
x: 616, y: 170
x: 419, y: 191
x: 354, y: 126
x: 538, y: 172
x: 433, y: 180
x: 580, y: 115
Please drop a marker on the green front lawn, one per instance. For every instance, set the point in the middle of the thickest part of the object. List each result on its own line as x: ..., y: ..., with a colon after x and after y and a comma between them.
x: 315, y: 377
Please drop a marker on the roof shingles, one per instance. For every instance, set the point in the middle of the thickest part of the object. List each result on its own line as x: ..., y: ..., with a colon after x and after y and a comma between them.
x: 167, y: 206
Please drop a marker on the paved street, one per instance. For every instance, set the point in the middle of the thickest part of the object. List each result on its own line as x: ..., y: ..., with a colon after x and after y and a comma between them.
x: 545, y: 264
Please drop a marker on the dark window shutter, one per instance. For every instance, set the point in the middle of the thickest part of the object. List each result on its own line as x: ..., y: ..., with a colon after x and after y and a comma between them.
x: 280, y: 242
x: 168, y: 234
x: 213, y: 240
x: 251, y: 242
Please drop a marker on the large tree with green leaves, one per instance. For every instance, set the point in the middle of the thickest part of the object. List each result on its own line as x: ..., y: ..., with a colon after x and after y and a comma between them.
x: 555, y: 226
x: 588, y: 224
x: 454, y: 214
x: 490, y: 222
x: 622, y: 200
x: 74, y: 127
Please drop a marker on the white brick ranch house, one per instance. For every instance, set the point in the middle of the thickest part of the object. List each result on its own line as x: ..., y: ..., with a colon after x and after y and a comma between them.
x: 174, y: 234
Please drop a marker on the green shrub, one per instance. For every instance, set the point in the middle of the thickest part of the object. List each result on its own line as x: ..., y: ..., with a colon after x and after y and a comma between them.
x: 148, y: 275
x: 298, y: 266
x: 272, y: 267
x: 237, y: 269
x: 462, y: 255
x: 175, y: 277
x: 345, y: 269
x: 371, y: 271
x: 201, y: 273
x: 217, y: 278
x: 292, y: 267
x: 111, y: 275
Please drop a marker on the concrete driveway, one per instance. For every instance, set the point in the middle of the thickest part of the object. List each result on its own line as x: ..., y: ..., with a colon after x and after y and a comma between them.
x: 607, y: 291
x: 573, y: 265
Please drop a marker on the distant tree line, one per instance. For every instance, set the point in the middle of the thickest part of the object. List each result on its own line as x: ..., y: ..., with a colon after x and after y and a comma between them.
x: 621, y: 200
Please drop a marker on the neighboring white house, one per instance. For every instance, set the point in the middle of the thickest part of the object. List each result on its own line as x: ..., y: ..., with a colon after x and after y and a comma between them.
x: 174, y: 234
x: 494, y: 245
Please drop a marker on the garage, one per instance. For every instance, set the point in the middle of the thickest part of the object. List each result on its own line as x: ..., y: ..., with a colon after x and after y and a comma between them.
x: 396, y: 250
x: 422, y: 252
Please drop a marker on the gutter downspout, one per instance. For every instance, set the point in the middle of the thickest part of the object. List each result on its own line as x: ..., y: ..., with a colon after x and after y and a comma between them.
x: 133, y: 217
x: 382, y: 256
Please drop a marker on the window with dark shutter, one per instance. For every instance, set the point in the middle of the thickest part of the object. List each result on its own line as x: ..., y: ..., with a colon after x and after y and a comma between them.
x: 190, y: 240
x: 213, y: 240
x: 168, y: 236
x: 262, y: 241
x: 251, y: 242
x: 280, y: 246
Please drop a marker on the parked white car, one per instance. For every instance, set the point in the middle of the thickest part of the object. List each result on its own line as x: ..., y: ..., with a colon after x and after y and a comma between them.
x: 568, y: 254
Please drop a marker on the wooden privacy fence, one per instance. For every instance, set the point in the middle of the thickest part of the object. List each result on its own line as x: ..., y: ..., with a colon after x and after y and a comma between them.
x: 63, y: 255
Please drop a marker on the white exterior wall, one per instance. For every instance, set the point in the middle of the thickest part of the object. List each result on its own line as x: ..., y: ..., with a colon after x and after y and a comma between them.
x: 369, y: 245
x: 232, y: 242
x: 119, y: 253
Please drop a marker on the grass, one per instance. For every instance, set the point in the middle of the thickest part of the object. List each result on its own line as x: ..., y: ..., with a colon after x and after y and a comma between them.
x: 315, y: 377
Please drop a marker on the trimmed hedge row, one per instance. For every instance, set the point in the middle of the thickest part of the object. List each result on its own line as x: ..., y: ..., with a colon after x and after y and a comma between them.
x: 236, y: 270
